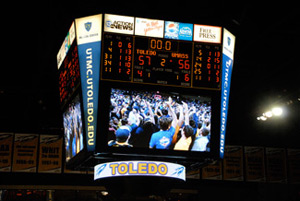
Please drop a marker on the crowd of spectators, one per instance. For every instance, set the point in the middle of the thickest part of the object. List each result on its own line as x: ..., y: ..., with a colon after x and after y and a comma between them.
x: 73, y: 130
x: 159, y: 120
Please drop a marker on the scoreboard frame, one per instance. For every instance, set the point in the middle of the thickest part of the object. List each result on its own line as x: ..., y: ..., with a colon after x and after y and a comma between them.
x: 194, y: 66
x: 159, y: 55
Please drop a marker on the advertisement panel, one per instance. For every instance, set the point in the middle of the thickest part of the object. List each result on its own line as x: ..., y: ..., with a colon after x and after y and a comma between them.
x: 227, y: 64
x: 149, y: 27
x: 88, y: 30
x: 6, y: 143
x: 118, y: 24
x: 178, y: 30
x: 50, y: 154
x: 212, y: 171
x: 193, y: 174
x: 25, y: 153
x: 207, y: 34
x: 276, y: 165
x: 293, y: 165
x: 255, y: 164
x: 65, y: 46
x: 139, y: 168
x: 233, y: 163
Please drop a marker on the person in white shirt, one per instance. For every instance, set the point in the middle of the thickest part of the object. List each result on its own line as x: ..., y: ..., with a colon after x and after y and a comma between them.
x: 201, y: 140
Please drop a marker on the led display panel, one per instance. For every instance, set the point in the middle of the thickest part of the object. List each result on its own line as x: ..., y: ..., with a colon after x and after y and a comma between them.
x: 73, y: 129
x: 136, y: 73
x: 159, y: 120
x: 161, y: 61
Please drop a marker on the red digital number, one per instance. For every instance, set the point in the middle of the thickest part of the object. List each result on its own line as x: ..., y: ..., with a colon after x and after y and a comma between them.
x: 142, y: 61
x: 140, y: 72
x: 184, y: 65
x: 186, y: 78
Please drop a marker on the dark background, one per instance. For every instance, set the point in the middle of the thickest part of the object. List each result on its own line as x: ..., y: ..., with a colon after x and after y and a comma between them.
x: 265, y: 74
x: 265, y: 71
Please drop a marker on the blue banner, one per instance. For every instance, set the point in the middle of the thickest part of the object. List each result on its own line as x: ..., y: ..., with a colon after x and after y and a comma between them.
x: 88, y: 34
x: 226, y: 80
x: 227, y: 64
x: 89, y: 61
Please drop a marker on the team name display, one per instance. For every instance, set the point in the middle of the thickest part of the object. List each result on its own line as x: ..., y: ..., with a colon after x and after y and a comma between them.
x: 139, y: 168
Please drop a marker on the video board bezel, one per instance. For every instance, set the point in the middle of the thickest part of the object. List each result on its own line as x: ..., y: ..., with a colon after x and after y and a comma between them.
x: 103, y: 148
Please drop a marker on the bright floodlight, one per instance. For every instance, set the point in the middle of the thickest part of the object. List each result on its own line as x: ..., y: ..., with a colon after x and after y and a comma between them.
x: 269, y: 114
x: 277, y: 111
x: 263, y: 118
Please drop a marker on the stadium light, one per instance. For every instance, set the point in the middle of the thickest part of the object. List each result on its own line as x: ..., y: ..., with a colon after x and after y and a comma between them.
x: 269, y: 114
x: 277, y: 111
x: 263, y: 118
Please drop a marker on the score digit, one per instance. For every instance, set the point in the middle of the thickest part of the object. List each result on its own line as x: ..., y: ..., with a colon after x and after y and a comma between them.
x: 163, y: 61
x: 184, y: 65
x: 142, y: 60
x: 117, y: 57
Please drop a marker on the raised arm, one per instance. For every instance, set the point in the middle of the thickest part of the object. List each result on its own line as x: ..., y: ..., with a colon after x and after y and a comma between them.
x: 180, y: 122
x: 186, y: 113
x: 150, y: 112
x: 181, y: 116
x: 174, y: 122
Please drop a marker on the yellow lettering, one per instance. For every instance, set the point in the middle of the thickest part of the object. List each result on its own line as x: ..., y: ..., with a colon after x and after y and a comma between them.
x: 152, y: 168
x: 123, y: 168
x: 113, y: 168
x: 131, y: 170
x: 162, y: 169
x: 142, y: 168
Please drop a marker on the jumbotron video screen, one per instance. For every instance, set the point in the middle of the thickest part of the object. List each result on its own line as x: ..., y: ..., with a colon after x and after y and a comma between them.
x: 138, y: 86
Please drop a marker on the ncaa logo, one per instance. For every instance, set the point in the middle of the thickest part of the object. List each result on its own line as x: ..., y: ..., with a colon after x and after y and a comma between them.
x: 88, y: 26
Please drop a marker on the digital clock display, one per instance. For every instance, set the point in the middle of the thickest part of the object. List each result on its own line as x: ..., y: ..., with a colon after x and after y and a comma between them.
x: 162, y: 61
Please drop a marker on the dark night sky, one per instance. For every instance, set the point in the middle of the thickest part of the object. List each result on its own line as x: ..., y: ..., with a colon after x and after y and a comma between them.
x: 265, y: 70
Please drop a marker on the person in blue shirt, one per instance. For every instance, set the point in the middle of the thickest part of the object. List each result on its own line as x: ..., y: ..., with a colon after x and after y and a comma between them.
x: 163, y: 138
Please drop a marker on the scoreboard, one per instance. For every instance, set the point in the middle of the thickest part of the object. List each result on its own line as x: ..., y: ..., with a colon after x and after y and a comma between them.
x: 163, y: 61
x: 68, y: 65
x: 107, y: 57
